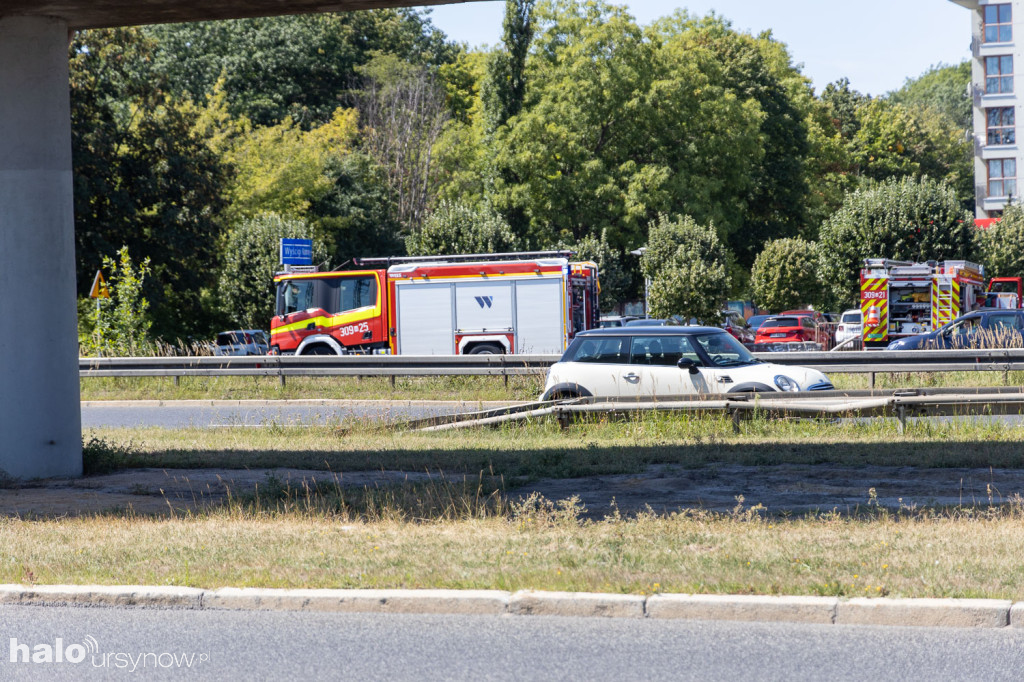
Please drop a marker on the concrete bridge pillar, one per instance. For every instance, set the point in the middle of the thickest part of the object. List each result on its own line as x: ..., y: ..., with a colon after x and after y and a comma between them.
x: 40, y: 414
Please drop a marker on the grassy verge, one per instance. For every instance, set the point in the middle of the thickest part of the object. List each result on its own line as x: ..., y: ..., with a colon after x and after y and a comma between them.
x: 447, y: 535
x: 965, y: 553
x: 528, y: 451
x: 437, y: 388
x: 322, y: 388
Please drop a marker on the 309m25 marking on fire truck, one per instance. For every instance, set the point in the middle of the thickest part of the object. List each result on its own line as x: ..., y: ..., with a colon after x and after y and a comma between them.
x: 362, y: 327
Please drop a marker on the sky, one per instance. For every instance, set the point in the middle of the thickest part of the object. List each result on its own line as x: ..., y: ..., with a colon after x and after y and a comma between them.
x: 877, y: 44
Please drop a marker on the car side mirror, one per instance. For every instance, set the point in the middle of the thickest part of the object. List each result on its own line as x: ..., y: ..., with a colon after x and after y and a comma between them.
x: 688, y: 364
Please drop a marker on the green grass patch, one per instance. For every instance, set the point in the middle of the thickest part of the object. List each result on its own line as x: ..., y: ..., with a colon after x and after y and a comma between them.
x: 542, y: 449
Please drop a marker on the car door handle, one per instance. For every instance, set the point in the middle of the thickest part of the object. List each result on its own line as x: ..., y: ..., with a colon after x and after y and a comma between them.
x: 631, y: 377
x: 725, y: 379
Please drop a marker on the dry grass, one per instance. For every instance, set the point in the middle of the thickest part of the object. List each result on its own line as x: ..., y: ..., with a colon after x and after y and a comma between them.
x: 966, y: 553
x: 470, y: 388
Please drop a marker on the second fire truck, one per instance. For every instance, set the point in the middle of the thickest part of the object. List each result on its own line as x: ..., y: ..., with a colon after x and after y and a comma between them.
x: 901, y: 298
x: 437, y: 305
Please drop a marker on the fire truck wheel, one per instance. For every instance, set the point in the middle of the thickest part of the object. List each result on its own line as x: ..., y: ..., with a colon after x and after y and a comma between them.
x: 322, y: 349
x: 487, y: 349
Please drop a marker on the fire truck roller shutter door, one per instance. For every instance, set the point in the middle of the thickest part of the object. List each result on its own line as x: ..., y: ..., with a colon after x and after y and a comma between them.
x: 426, y: 320
x: 483, y: 306
x: 540, y: 316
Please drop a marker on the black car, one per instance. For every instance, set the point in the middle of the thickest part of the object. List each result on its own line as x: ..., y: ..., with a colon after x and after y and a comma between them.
x: 981, y: 329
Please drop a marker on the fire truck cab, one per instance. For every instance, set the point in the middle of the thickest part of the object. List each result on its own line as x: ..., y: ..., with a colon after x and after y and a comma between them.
x: 901, y: 298
x: 437, y: 305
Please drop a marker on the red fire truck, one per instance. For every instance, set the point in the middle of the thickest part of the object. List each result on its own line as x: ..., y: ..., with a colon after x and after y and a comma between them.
x: 437, y: 305
x: 901, y: 298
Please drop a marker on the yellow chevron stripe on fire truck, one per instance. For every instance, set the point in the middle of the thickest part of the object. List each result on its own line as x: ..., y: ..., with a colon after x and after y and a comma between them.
x: 327, y: 321
x: 945, y: 302
x: 875, y: 330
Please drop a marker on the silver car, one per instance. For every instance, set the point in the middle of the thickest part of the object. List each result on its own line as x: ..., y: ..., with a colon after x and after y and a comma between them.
x: 241, y: 342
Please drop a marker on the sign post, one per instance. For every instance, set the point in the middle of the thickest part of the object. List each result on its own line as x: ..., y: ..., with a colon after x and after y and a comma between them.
x: 99, y: 290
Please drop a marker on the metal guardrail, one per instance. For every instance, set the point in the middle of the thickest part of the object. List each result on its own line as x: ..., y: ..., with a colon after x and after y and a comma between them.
x: 902, y: 404
x: 318, y: 365
x: 853, y: 362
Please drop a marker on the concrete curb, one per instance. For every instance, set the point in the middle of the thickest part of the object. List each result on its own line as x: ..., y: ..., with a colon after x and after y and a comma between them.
x: 465, y: 602
x: 958, y: 613
x: 743, y: 607
x: 961, y: 613
x: 104, y: 595
x: 578, y: 604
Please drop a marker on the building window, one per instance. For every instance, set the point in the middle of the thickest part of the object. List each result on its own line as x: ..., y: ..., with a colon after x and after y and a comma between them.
x: 1000, y: 125
x: 998, y: 74
x: 1002, y: 177
x: 998, y: 23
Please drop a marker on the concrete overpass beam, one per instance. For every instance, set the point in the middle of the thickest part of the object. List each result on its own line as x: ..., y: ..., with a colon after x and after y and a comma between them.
x: 40, y: 415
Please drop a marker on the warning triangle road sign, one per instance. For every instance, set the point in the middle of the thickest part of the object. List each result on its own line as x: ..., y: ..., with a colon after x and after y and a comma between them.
x: 99, y: 287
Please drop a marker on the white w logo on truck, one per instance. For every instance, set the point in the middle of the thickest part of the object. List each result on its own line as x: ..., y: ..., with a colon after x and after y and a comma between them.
x: 483, y: 301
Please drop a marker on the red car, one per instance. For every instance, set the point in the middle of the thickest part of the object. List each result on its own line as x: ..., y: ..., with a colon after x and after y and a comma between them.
x: 795, y: 326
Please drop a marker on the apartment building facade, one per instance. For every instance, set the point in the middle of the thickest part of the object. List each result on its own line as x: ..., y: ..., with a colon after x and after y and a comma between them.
x: 996, y: 36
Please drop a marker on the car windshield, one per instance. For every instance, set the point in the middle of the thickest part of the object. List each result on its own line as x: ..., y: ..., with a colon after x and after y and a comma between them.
x: 851, y: 318
x: 723, y: 350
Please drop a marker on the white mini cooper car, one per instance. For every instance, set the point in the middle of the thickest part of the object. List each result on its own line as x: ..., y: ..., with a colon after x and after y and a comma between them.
x: 633, y: 362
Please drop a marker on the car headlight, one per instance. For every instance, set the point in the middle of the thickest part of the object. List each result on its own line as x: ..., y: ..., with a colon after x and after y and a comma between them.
x: 785, y: 383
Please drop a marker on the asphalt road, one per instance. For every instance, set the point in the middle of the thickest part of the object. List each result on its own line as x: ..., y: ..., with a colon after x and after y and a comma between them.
x: 259, y: 413
x: 309, y: 646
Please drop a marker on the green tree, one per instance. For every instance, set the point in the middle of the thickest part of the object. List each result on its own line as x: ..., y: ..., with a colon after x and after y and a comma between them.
x: 283, y: 169
x: 355, y: 216
x: 119, y: 325
x: 144, y: 176
x: 1000, y: 247
x: 505, y: 87
x: 686, y: 264
x: 758, y: 71
x: 943, y: 88
x: 785, y: 275
x: 618, y: 126
x: 618, y: 280
x: 455, y: 228
x: 251, y: 257
x: 403, y: 112
x: 290, y: 66
x: 902, y: 219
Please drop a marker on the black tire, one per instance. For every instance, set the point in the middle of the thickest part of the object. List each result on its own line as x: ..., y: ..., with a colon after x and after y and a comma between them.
x: 563, y: 395
x: 487, y: 349
x: 320, y: 349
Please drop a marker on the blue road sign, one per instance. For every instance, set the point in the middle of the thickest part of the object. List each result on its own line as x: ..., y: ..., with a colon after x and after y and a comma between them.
x: 296, y: 251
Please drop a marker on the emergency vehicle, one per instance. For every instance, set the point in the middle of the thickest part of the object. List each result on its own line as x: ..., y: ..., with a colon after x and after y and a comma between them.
x: 1005, y: 292
x: 901, y: 298
x: 437, y: 305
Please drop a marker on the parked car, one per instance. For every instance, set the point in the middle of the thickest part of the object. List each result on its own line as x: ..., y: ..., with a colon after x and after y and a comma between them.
x: 788, y: 331
x: 851, y: 325
x: 826, y: 328
x: 668, y: 361
x: 646, y: 322
x: 241, y: 342
x: 615, y: 320
x: 998, y: 328
x: 755, y: 321
x: 734, y: 323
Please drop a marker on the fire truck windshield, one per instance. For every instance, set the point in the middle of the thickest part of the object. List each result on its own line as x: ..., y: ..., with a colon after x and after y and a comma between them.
x: 333, y: 295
